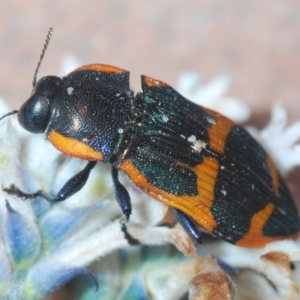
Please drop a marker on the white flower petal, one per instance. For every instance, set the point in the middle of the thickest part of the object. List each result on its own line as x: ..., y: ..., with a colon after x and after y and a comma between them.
x: 212, y: 95
x: 280, y: 140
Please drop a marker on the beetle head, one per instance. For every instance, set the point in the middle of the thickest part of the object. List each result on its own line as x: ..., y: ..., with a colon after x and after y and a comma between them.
x: 34, y: 114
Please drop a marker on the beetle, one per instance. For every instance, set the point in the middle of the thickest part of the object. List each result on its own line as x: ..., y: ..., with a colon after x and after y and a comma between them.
x: 210, y: 170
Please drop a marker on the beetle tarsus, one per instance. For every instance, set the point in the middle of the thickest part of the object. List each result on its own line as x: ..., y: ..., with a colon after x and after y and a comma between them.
x: 71, y: 187
x: 14, y: 190
x: 130, y: 239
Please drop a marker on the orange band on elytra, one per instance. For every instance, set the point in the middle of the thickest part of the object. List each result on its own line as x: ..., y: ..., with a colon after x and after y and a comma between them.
x: 73, y: 147
x: 100, y: 68
x: 199, y: 206
x: 254, y: 238
x: 219, y: 131
x: 150, y: 82
x: 274, y: 173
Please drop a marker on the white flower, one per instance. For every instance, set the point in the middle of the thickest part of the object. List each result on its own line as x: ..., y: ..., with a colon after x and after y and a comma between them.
x: 212, y: 95
x: 281, y: 140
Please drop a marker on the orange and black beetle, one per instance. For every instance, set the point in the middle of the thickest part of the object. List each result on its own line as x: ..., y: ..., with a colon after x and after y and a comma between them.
x: 206, y: 167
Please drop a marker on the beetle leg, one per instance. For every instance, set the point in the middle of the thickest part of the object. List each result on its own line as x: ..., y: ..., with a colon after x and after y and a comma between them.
x: 123, y: 198
x: 121, y: 194
x: 188, y: 225
x: 72, y: 186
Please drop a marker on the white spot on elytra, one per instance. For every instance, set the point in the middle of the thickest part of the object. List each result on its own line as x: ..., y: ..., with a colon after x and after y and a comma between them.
x: 165, y: 118
x: 84, y: 140
x: 183, y: 136
x: 120, y: 130
x: 222, y: 167
x: 223, y: 192
x: 192, y: 139
x: 97, y: 78
x: 198, y: 145
x: 211, y: 120
x: 283, y: 212
x: 70, y: 90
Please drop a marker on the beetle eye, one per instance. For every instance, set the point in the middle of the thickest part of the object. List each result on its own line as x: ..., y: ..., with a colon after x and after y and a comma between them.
x: 35, y: 112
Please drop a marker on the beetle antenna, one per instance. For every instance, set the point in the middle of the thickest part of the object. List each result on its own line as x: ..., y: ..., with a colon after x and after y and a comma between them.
x: 49, y: 35
x: 8, y: 114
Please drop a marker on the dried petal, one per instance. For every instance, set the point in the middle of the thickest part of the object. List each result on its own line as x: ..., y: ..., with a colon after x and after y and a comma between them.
x: 211, y: 283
